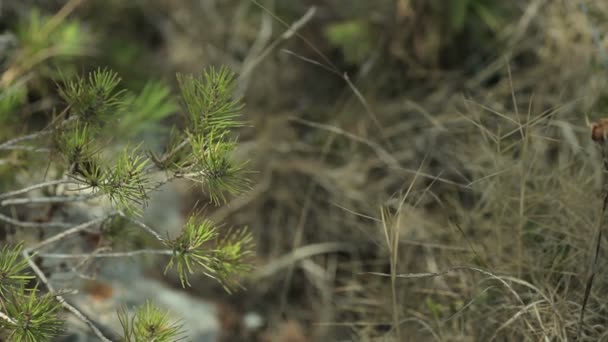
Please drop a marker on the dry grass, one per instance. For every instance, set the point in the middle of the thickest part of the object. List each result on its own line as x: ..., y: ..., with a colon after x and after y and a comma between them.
x: 493, y: 239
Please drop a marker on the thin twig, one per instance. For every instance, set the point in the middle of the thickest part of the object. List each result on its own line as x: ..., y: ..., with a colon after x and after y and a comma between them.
x: 34, y: 187
x: 164, y: 181
x: 193, y: 176
x: 27, y: 224
x: 70, y: 231
x: 106, y: 255
x: 142, y: 225
x: 51, y: 199
x: 7, y: 318
x: 169, y: 154
x: 9, y: 144
x: 27, y: 148
x: 62, y: 300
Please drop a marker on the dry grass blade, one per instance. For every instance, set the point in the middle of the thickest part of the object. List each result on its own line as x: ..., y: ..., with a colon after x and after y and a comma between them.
x: 297, y: 255
x: 598, y: 238
x: 391, y: 227
x: 451, y: 270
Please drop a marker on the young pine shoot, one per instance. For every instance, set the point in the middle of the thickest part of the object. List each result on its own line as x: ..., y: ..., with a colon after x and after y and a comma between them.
x: 200, y: 152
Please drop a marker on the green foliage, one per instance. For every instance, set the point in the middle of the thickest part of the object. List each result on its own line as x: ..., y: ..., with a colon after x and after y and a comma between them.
x: 10, y: 99
x: 149, y: 324
x: 12, y: 269
x: 44, y: 45
x: 222, y: 263
x: 353, y: 37
x: 200, y: 153
x: 228, y: 259
x: 30, y: 317
x: 213, y: 113
x: 471, y: 13
x: 34, y: 318
x: 94, y: 99
x: 210, y: 165
x: 41, y: 35
x: 127, y: 182
x: 210, y: 103
x: 75, y: 144
x: 188, y: 248
x: 147, y: 108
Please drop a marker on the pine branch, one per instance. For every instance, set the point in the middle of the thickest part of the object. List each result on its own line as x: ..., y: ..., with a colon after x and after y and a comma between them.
x: 209, y: 100
x: 34, y: 318
x: 149, y: 323
x: 200, y: 153
x: 11, y: 270
x: 32, y: 136
x: 222, y: 263
x: 62, y: 300
x: 94, y: 99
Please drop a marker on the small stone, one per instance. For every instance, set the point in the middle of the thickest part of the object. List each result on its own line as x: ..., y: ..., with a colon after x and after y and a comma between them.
x: 253, y: 321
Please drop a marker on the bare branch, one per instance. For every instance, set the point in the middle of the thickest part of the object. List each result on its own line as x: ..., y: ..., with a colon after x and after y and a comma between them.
x: 9, y: 145
x: 142, y: 225
x: 52, y: 199
x: 34, y: 187
x: 70, y: 231
x: 107, y: 255
x: 27, y: 224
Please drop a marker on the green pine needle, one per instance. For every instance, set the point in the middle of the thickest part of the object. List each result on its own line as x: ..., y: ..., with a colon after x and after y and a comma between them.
x: 74, y: 143
x: 149, y: 324
x: 188, y: 245
x: 35, y: 318
x: 223, y: 263
x: 12, y: 268
x: 201, y: 153
x: 212, y: 166
x: 95, y: 99
x: 127, y: 183
x: 209, y: 100
x: 147, y: 108
x: 228, y: 259
x: 36, y: 35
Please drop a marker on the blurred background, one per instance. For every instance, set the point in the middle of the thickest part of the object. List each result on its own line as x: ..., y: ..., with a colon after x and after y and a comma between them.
x: 423, y: 168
